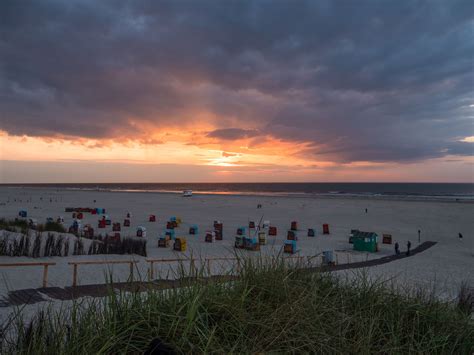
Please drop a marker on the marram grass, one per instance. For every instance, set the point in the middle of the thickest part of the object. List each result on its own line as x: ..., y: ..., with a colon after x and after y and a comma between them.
x: 269, y: 309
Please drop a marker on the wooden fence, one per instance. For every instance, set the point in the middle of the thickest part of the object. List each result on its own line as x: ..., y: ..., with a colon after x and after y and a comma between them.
x: 44, y: 264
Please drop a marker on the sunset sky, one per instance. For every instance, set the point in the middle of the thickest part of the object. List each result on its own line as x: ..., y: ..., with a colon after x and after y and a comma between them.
x: 165, y: 91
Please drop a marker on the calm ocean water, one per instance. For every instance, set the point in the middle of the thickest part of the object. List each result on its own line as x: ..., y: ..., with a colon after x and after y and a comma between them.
x: 395, y: 190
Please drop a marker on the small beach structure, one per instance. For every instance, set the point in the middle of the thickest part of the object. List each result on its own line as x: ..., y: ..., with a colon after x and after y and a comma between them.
x: 170, y: 225
x: 80, y: 215
x: 141, y: 231
x: 262, y: 238
x: 311, y: 232
x: 294, y: 226
x: 126, y: 222
x: 23, y: 213
x: 60, y: 220
x: 272, y: 231
x: 289, y: 247
x: 241, y: 231
x: 210, y: 237
x: 50, y: 220
x: 291, y: 235
x: 365, y: 241
x: 100, y: 210
x: 152, y: 218
x: 179, y: 244
x: 251, y: 225
x: 101, y: 223
x: 266, y: 224
x: 193, y: 229
x: 325, y: 228
x: 108, y: 221
x: 351, y: 236
x: 129, y: 215
x: 116, y: 227
x: 187, y: 193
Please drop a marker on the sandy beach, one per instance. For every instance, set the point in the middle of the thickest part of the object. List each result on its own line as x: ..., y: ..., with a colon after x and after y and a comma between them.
x: 441, y: 268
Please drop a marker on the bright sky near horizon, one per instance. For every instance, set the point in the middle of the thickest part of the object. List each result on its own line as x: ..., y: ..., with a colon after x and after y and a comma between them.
x: 163, y: 91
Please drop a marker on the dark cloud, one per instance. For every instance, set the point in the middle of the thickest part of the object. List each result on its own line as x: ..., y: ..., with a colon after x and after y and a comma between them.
x: 233, y: 133
x: 364, y: 80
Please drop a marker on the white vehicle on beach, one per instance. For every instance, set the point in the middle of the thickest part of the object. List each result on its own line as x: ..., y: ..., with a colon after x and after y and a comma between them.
x: 187, y: 193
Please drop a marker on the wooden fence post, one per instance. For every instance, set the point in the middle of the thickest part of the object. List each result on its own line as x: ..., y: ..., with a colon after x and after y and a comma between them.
x: 74, y: 275
x: 45, y: 275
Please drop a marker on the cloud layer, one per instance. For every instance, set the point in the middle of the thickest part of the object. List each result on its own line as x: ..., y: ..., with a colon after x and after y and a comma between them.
x: 355, y: 81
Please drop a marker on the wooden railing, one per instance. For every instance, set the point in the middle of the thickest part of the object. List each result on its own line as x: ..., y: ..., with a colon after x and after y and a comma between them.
x: 75, y: 264
x: 44, y: 264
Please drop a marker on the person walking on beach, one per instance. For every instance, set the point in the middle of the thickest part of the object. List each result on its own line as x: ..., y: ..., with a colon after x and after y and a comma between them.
x: 460, y: 236
x: 419, y: 236
x: 397, y: 248
x: 408, y: 248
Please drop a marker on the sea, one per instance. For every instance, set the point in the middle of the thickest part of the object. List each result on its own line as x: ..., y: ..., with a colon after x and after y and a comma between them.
x: 413, y: 191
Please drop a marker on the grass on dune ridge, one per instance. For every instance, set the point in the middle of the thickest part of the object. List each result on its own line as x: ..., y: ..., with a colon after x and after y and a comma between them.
x: 270, y: 308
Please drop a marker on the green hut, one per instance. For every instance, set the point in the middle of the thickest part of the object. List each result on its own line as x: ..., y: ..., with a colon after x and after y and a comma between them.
x: 365, y: 241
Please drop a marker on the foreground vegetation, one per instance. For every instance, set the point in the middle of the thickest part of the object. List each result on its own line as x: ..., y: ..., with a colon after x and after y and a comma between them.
x: 270, y: 308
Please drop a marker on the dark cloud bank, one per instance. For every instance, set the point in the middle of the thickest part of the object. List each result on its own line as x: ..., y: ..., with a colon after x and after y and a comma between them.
x: 358, y: 80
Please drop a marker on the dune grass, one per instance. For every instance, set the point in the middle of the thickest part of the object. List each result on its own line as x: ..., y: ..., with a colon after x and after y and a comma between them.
x: 270, y: 308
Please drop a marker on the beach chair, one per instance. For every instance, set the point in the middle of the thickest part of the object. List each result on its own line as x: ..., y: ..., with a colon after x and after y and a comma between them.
x: 210, y: 237
x: 219, y: 234
x: 291, y: 235
x: 170, y: 233
x: 311, y: 232
x: 272, y: 231
x: 216, y: 223
x: 218, y: 226
x: 251, y: 243
x: 141, y: 232
x: 80, y: 215
x: 163, y: 243
x: 294, y: 226
x: 152, y: 218
x: 179, y: 244
x: 129, y: 215
x: 241, y: 231
x: 266, y: 224
x: 116, y: 227
x: 193, y: 230
x: 170, y: 224
x: 251, y: 225
x: 262, y: 238
x: 289, y: 247
x: 126, y: 222
x: 239, y: 242
x: 325, y: 228
x: 386, y: 238
x: 101, y: 223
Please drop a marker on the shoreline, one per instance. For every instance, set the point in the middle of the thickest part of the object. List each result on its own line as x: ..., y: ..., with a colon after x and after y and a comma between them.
x: 252, y: 194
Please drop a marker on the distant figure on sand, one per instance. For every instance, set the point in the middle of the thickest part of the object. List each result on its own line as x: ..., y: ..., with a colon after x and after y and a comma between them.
x: 419, y: 235
x: 366, y: 210
x: 408, y: 248
x: 397, y: 248
x: 460, y: 236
